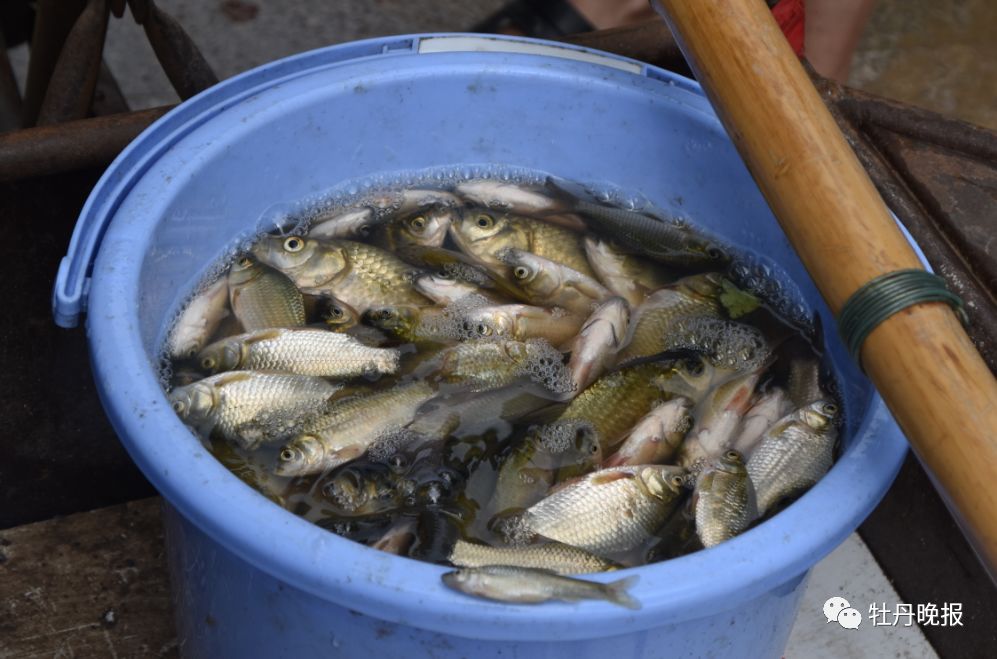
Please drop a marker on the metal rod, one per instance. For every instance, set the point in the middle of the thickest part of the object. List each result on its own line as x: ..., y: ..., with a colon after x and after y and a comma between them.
x: 53, y: 21
x: 72, y: 145
x: 70, y: 89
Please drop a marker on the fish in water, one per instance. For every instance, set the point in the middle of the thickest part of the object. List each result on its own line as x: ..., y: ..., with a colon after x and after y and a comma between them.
x: 349, y: 428
x: 542, y: 281
x: 724, y: 499
x: 522, y: 585
x: 262, y: 298
x: 600, y: 338
x: 199, y: 320
x: 794, y: 453
x: 251, y: 408
x: 522, y: 322
x: 631, y: 277
x: 610, y: 510
x: 302, y: 351
x: 484, y: 235
x: 657, y: 436
x: 359, y: 274
x: 546, y: 453
x: 554, y: 556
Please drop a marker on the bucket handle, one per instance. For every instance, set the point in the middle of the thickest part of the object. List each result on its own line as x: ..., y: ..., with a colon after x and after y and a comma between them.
x: 72, y: 282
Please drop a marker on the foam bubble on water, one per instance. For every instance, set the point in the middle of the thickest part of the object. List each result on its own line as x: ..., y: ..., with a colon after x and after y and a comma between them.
x: 466, y: 272
x: 559, y: 437
x: 545, y: 366
x: 514, y: 530
x: 390, y: 442
x: 728, y: 344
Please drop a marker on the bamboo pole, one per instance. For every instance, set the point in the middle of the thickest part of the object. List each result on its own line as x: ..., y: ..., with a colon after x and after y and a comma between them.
x: 932, y: 378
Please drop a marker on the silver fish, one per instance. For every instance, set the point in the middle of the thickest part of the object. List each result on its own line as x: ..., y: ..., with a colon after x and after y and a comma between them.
x: 546, y: 452
x: 767, y: 409
x: 349, y: 428
x: 199, y: 320
x: 447, y: 290
x: 262, y: 297
x: 598, y: 342
x: 794, y: 453
x: 724, y: 500
x: 554, y: 556
x: 522, y: 322
x: 527, y: 586
x: 302, y: 351
x: 411, y: 200
x: 804, y: 382
x: 718, y: 420
x: 251, y: 408
x: 611, y: 510
x: 350, y: 223
x: 626, y: 275
x: 548, y: 283
x: 512, y: 197
x: 657, y: 436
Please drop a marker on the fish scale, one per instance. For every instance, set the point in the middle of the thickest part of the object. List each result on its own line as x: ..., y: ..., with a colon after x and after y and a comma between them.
x: 318, y: 352
x: 725, y: 501
x: 376, y: 277
x: 791, y: 456
x: 553, y: 556
x: 659, y: 315
x: 609, y: 511
x: 262, y: 297
x: 251, y: 408
x: 557, y: 244
x: 615, y: 402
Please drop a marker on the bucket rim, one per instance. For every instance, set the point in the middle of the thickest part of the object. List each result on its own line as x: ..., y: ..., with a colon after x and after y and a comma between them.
x: 403, y: 590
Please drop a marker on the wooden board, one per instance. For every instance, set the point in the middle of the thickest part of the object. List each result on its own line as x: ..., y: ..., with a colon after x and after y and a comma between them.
x: 93, y: 584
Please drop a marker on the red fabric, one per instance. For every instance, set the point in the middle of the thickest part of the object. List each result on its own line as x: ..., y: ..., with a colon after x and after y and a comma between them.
x: 789, y: 15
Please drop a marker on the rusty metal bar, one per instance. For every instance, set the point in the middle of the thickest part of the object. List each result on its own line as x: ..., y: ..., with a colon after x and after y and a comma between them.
x: 185, y: 66
x: 72, y: 145
x: 71, y: 87
x: 10, y: 97
x: 53, y: 21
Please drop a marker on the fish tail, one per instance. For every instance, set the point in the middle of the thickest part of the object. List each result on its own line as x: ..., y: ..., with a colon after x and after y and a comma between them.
x: 616, y: 592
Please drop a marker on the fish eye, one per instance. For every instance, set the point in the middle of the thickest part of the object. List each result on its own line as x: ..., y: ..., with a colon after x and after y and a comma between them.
x: 830, y: 408
x: 208, y: 363
x: 484, y: 221
x: 418, y: 223
x: 733, y: 455
x: 336, y: 312
x: 363, y: 230
x: 677, y: 481
x: 521, y: 272
x: 294, y: 244
x: 287, y: 455
x: 715, y: 253
x: 245, y: 262
x: 484, y: 330
x: 178, y: 406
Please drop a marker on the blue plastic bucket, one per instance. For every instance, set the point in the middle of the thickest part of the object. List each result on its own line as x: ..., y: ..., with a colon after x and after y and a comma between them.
x: 252, y: 580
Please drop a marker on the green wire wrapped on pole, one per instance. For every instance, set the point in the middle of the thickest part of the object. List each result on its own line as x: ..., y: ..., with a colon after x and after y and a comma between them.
x: 886, y: 295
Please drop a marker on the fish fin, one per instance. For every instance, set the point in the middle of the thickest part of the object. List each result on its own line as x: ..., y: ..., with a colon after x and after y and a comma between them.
x: 616, y: 592
x: 232, y: 376
x: 560, y: 191
x: 264, y: 335
x: 610, y: 477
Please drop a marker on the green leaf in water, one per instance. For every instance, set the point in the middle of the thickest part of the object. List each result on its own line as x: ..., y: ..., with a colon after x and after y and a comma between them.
x: 736, y: 301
